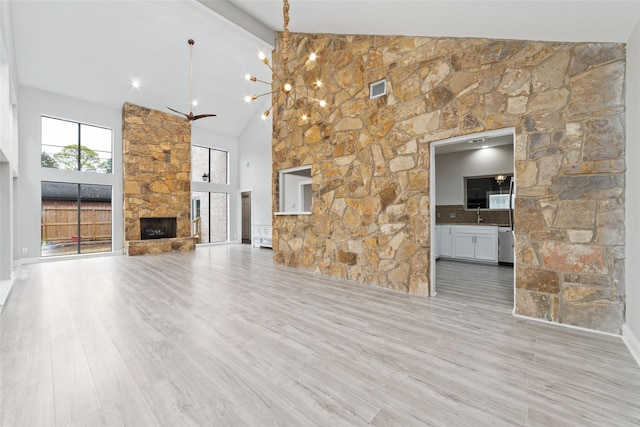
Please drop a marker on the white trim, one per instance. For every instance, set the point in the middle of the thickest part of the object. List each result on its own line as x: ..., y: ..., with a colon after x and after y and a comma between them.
x: 54, y: 258
x: 5, y: 289
x: 301, y: 186
x: 566, y: 325
x: 632, y: 342
x: 291, y: 213
x: 281, y: 186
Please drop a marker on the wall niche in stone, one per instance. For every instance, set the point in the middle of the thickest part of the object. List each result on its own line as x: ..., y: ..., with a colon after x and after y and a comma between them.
x: 295, y: 190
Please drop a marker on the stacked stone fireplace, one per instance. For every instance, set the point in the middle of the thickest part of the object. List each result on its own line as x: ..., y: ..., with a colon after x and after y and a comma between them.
x: 157, y: 181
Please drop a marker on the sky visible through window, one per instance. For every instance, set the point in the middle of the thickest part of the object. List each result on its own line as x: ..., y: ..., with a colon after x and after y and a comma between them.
x: 60, y: 140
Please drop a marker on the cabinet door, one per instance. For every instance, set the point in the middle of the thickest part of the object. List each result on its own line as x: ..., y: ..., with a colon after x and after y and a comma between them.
x: 436, y: 242
x: 486, y: 247
x: 464, y: 245
x: 446, y: 239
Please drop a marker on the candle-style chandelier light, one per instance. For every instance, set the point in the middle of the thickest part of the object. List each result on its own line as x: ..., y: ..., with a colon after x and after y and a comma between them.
x: 286, y: 82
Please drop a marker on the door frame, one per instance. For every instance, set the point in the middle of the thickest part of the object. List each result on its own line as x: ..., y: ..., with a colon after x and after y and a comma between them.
x: 432, y: 191
x: 250, y: 191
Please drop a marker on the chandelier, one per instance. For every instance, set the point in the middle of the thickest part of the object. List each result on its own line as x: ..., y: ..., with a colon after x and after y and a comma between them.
x: 500, y: 179
x: 285, y: 82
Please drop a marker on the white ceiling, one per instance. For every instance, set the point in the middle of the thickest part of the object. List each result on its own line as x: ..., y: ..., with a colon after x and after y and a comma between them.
x: 93, y: 49
x: 474, y: 144
x: 557, y: 20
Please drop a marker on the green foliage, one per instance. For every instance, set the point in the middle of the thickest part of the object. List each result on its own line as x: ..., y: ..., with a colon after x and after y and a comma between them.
x: 67, y: 158
x: 47, y: 161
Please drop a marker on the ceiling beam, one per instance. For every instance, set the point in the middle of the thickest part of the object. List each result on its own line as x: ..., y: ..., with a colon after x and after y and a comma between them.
x: 242, y: 19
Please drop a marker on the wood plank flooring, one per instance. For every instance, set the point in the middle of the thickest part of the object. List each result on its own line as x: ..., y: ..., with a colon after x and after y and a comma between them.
x: 222, y: 337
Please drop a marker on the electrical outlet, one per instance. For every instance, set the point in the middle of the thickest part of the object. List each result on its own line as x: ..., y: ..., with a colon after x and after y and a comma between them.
x: 24, y: 250
x: 452, y: 214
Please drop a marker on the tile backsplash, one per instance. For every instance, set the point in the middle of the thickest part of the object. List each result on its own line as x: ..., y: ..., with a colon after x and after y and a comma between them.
x: 456, y: 214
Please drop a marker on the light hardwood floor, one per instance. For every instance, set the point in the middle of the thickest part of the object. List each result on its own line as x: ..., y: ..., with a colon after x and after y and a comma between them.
x: 222, y: 337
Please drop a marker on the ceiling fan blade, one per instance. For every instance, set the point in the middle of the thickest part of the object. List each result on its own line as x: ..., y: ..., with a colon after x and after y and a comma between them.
x: 200, y: 116
x: 190, y: 116
x: 179, y: 112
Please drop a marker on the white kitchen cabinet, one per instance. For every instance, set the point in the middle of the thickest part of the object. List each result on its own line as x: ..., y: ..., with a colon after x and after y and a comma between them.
x: 487, y: 247
x: 478, y: 243
x: 464, y: 244
x: 467, y: 242
x: 445, y: 247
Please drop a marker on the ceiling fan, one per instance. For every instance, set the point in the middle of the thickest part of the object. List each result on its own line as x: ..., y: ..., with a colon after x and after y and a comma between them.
x: 191, y: 117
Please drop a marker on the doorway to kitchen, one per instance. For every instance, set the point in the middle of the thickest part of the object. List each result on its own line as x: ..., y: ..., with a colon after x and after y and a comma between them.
x: 472, y: 194
x: 245, y: 208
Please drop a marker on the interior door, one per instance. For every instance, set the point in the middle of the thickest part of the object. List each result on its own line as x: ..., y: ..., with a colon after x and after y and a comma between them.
x: 246, y: 217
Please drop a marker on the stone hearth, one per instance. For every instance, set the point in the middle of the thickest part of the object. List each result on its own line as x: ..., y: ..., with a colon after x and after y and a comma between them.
x: 157, y: 178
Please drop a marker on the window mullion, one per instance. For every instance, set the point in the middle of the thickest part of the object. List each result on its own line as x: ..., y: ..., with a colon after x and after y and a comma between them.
x: 78, y: 202
x: 79, y: 148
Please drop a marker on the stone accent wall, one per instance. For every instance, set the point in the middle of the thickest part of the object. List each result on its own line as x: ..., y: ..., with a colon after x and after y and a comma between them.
x: 157, y: 176
x: 370, y: 162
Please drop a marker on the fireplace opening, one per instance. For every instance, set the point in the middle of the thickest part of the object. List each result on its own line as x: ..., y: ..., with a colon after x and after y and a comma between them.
x: 158, y: 228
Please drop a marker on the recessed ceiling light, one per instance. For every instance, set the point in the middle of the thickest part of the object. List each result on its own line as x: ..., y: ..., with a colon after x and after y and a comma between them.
x: 195, y: 103
x: 485, y: 146
x: 135, y: 84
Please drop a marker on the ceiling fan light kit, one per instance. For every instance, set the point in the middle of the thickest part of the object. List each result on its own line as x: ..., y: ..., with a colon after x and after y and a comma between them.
x: 191, y: 117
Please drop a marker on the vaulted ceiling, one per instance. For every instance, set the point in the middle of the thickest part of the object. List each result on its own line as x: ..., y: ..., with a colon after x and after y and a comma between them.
x: 93, y: 50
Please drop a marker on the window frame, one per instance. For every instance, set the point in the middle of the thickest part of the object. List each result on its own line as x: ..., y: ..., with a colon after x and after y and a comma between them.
x: 489, y: 178
x: 79, y: 146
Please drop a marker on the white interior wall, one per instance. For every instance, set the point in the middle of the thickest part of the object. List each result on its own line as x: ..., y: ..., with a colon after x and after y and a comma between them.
x: 35, y: 103
x: 255, y: 166
x: 8, y: 150
x: 451, y: 168
x: 206, y: 138
x: 631, y: 330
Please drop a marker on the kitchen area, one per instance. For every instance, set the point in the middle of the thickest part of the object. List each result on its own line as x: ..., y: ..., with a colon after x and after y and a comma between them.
x: 474, y: 195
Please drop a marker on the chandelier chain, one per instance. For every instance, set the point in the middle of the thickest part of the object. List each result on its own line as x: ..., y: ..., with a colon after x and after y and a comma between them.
x: 285, y: 36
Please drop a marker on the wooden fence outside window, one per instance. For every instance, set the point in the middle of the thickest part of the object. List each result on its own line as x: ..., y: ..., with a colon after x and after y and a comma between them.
x: 60, y: 224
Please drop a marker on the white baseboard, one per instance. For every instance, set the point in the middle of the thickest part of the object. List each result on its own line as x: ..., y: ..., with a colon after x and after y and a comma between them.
x: 5, y: 288
x: 565, y: 325
x: 632, y: 342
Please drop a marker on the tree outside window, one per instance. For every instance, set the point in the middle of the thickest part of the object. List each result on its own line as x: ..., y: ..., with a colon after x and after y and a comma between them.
x: 75, y: 146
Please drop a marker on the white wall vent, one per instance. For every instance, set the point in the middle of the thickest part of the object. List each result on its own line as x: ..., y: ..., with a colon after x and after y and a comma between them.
x: 377, y: 89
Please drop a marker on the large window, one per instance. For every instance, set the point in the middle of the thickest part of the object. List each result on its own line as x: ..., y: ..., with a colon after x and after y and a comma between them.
x: 209, y: 165
x: 210, y: 170
x: 76, y: 218
x: 212, y: 208
x: 75, y: 146
x: 487, y: 192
